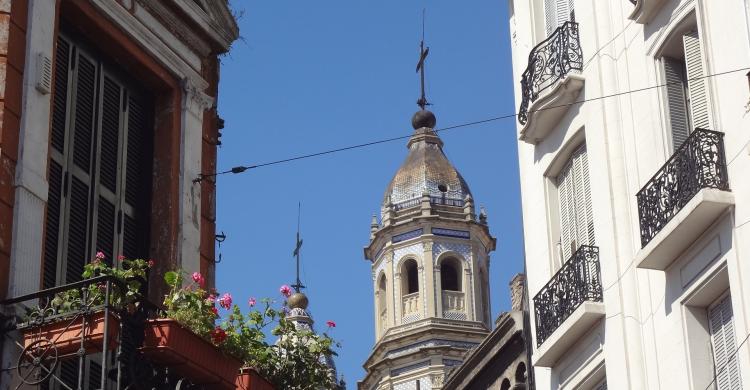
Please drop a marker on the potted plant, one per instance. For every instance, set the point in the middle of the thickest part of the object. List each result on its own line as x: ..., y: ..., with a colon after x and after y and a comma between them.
x: 185, y: 337
x: 77, y: 315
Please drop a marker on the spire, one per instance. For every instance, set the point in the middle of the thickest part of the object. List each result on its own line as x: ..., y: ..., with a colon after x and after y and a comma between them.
x: 298, y: 284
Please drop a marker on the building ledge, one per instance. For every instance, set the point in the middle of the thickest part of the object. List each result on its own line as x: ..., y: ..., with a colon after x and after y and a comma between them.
x: 684, y: 228
x: 645, y: 10
x: 546, y: 112
x: 579, y: 322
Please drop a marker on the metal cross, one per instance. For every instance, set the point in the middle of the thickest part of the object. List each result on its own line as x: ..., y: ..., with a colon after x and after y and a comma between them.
x: 423, y: 52
x: 298, y: 285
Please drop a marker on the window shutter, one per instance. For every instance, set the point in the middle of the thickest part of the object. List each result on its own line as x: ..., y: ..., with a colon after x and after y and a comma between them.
x: 556, y: 13
x: 134, y: 203
x: 57, y: 163
x: 676, y: 100
x: 696, y: 83
x: 721, y: 326
x: 79, y: 170
x: 108, y: 156
x: 576, y: 214
x: 567, y: 219
x: 550, y: 15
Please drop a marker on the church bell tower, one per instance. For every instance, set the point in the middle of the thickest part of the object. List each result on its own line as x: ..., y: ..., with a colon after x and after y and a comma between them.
x: 430, y: 265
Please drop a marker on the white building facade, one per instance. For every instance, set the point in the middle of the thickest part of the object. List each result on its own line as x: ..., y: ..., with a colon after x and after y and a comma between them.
x: 633, y: 154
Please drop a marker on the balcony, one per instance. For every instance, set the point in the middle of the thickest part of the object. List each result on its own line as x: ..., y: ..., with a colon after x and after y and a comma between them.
x: 645, y: 10
x: 568, y: 306
x: 683, y: 199
x: 410, y: 308
x: 454, y: 305
x: 73, y: 337
x: 550, y: 83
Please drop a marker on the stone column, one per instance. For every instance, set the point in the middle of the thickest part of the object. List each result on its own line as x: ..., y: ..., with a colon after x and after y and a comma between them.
x: 194, y: 103
x: 429, y: 274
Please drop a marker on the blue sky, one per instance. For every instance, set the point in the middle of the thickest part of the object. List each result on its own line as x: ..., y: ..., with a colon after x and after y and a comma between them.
x: 312, y: 76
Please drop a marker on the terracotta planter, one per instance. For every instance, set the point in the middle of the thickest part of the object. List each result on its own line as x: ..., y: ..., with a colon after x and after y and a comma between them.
x: 66, y: 334
x: 188, y: 355
x: 249, y: 379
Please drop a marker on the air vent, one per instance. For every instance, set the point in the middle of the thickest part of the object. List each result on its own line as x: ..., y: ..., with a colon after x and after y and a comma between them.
x: 43, y: 73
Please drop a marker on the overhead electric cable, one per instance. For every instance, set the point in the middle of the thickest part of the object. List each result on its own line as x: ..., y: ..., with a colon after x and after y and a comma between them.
x: 243, y: 168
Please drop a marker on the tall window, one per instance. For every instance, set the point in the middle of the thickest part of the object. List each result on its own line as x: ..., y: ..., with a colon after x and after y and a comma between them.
x: 382, y: 303
x: 687, y: 97
x: 100, y: 165
x: 450, y: 275
x: 410, y: 277
x: 576, y: 215
x: 724, y: 345
x: 556, y: 13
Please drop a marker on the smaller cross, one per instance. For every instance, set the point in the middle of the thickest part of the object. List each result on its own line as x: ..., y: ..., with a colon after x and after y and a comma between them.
x: 298, y: 285
x: 423, y: 52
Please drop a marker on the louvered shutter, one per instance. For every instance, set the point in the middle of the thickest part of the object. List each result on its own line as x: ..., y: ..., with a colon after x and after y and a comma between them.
x: 696, y: 82
x: 556, y: 13
x: 57, y: 163
x: 99, y: 179
x: 676, y: 100
x: 576, y: 213
x: 79, y: 169
x: 108, y: 157
x: 723, y: 343
x: 567, y: 221
x: 136, y: 180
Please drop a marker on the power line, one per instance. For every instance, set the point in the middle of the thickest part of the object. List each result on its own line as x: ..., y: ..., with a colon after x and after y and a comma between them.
x: 243, y: 168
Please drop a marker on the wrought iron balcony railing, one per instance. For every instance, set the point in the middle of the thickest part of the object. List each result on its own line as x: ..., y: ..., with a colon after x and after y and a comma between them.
x: 550, y: 61
x: 698, y: 163
x: 71, y: 337
x: 436, y: 200
x: 576, y: 282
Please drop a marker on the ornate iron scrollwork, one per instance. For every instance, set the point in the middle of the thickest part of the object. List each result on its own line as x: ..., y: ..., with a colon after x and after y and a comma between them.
x: 698, y: 163
x: 550, y: 61
x: 577, y: 281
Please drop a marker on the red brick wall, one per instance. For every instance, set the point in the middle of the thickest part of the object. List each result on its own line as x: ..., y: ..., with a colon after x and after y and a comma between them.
x: 208, y: 186
x: 13, y: 16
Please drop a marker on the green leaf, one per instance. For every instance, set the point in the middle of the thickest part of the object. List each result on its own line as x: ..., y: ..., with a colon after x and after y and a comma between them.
x: 171, y: 278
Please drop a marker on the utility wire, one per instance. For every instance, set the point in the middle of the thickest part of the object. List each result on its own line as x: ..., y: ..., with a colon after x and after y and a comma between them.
x: 724, y: 366
x: 243, y: 168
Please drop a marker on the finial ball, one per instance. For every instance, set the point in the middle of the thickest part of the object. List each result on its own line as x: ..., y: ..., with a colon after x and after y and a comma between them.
x: 297, y: 301
x: 423, y: 118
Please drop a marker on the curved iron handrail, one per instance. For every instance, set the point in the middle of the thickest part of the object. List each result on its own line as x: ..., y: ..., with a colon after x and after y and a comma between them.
x: 549, y: 61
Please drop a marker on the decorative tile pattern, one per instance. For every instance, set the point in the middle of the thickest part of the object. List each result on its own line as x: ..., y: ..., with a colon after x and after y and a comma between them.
x: 454, y: 315
x: 411, y: 367
x: 424, y: 384
x: 407, y: 236
x: 450, y: 233
x: 415, y: 250
x: 405, y: 350
x: 439, y: 247
x: 451, y: 362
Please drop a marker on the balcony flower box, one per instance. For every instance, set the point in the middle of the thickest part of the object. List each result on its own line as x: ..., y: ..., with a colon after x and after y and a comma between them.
x: 66, y: 334
x: 186, y: 354
x: 249, y: 379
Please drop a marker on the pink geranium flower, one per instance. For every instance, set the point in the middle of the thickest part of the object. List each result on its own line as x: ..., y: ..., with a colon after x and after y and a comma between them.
x: 211, y: 298
x: 218, y: 335
x: 251, y: 302
x: 331, y: 324
x: 215, y: 311
x: 198, y: 278
x: 150, y: 263
x: 121, y: 258
x: 285, y: 291
x: 100, y: 255
x: 226, y: 300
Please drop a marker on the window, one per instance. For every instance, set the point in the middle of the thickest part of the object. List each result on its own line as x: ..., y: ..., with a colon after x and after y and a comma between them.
x: 450, y: 276
x: 556, y: 13
x: 99, y: 172
x: 724, y: 345
x: 687, y: 95
x: 576, y: 215
x: 382, y: 306
x: 411, y: 277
